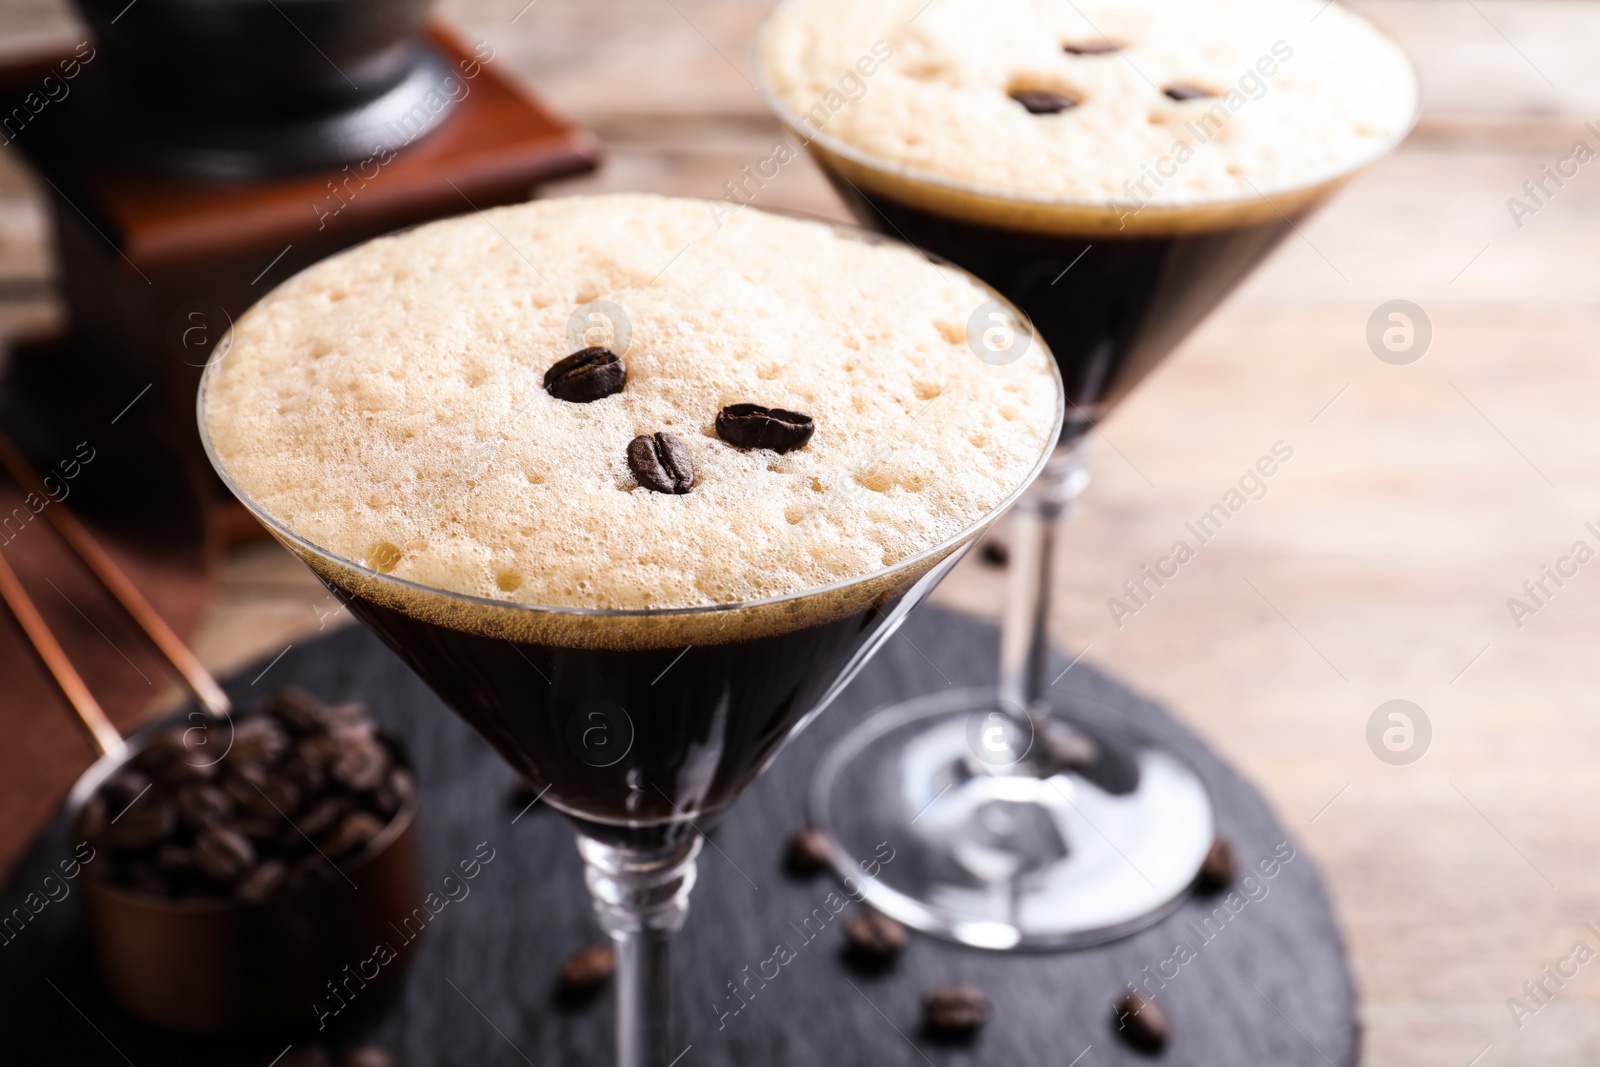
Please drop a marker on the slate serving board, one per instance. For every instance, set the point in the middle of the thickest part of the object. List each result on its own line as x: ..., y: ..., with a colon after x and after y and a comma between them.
x: 1265, y: 985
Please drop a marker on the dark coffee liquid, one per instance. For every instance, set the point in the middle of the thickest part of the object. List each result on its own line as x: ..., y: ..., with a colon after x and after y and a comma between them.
x: 1110, y: 308
x: 629, y: 741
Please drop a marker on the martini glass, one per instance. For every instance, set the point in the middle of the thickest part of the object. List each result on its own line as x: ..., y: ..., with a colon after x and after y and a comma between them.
x: 1032, y: 819
x: 641, y: 726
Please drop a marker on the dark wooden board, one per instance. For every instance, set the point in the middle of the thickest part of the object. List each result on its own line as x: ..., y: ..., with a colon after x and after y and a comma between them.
x: 1270, y: 988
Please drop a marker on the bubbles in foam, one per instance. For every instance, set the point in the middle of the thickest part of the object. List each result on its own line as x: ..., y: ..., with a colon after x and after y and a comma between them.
x: 404, y: 425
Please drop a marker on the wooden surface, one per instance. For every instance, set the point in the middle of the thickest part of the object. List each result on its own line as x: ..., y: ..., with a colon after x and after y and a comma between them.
x: 1378, y: 566
x: 502, y: 944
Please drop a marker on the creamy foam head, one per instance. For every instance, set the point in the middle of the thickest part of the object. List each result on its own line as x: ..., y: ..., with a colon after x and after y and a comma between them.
x: 1304, y: 91
x: 387, y: 405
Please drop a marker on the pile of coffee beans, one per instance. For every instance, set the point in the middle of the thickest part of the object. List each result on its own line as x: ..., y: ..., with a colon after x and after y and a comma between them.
x: 254, y: 809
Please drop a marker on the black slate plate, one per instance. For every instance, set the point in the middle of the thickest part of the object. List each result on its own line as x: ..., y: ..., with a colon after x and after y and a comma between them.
x: 1266, y: 985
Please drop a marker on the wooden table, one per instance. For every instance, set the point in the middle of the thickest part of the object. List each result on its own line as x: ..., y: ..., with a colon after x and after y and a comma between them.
x: 1418, y: 500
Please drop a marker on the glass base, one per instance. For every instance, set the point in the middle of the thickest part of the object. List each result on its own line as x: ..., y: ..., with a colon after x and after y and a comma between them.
x: 1100, y: 836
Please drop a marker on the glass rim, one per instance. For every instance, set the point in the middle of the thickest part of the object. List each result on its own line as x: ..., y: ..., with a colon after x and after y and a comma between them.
x: 934, y: 552
x: 913, y: 176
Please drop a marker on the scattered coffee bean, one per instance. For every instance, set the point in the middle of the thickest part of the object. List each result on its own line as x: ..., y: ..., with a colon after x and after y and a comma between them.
x: 807, y: 853
x: 586, y: 376
x: 146, y: 822
x: 995, y: 553
x: 1092, y: 48
x: 875, y: 936
x: 1188, y: 92
x: 588, y: 967
x: 1044, y: 101
x: 223, y: 855
x: 354, y: 832
x: 263, y: 883
x: 1141, y: 1022
x: 755, y: 426
x: 367, y: 1056
x: 1221, y: 866
x: 955, y: 1009
x: 661, y: 463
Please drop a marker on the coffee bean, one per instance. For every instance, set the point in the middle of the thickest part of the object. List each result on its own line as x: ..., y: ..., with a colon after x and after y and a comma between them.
x: 298, y: 710
x: 588, y: 967
x: 321, y: 817
x: 367, y: 1056
x: 1220, y: 868
x: 180, y: 754
x: 260, y: 830
x: 995, y: 553
x: 1044, y: 101
x: 1141, y: 1022
x: 1188, y: 92
x: 807, y: 853
x: 258, y: 739
x: 201, y: 804
x: 124, y: 787
x: 94, y: 821
x: 955, y: 1009
x: 395, y: 793
x: 875, y: 936
x: 311, y: 871
x: 175, y: 861
x: 586, y: 376
x: 661, y: 463
x: 263, y: 883
x: 223, y: 854
x: 1093, y: 48
x: 354, y: 832
x: 260, y: 793
x: 350, y: 718
x: 147, y: 822
x: 359, y: 763
x: 754, y: 426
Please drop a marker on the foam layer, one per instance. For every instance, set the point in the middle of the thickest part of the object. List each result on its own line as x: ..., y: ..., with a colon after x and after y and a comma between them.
x: 387, y: 406
x: 1305, y: 92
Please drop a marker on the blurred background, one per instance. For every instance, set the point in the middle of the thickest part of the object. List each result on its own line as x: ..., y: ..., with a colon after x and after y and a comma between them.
x: 1379, y: 565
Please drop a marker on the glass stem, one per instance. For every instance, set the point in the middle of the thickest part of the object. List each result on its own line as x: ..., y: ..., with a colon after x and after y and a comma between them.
x: 1036, y: 523
x: 641, y: 897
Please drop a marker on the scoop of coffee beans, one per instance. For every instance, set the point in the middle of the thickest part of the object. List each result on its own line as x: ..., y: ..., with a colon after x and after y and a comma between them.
x: 264, y: 809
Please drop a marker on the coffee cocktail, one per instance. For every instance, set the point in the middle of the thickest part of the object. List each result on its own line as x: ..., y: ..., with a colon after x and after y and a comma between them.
x: 635, y: 486
x: 1115, y: 168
